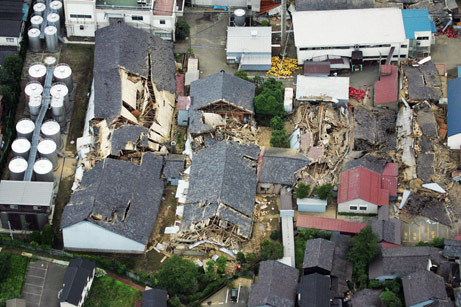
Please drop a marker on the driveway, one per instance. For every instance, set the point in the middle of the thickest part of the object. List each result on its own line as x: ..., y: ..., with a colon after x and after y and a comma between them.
x: 43, y: 282
x: 222, y: 297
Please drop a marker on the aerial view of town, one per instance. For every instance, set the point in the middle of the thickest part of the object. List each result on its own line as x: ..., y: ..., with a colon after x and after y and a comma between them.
x: 272, y: 153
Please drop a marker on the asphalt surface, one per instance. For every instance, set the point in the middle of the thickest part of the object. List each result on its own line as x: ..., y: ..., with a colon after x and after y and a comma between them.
x: 422, y: 229
x: 43, y: 282
x: 222, y: 297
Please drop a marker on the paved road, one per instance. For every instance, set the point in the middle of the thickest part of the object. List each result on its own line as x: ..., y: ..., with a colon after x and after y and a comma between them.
x: 43, y: 282
x: 222, y: 297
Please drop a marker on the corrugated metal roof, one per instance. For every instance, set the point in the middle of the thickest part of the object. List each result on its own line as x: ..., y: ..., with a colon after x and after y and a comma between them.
x: 249, y: 39
x: 386, y: 89
x: 183, y: 103
x: 391, y: 169
x: 416, y: 20
x: 26, y: 193
x: 454, y: 106
x: 307, y: 221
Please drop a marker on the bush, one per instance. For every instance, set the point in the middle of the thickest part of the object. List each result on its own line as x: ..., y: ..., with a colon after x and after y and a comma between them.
x: 174, y: 302
x: 265, y: 23
x: 271, y: 250
x: 98, y: 272
x: 182, y: 29
x: 178, y: 276
x: 4, y: 265
x: 190, y: 52
x: 251, y: 257
x: 390, y: 299
x: 221, y: 263
x: 242, y: 74
x: 277, y: 123
x: 324, y: 192
x: 279, y: 138
x: 275, y: 235
x: 241, y: 258
x: 436, y: 242
x: 302, y: 190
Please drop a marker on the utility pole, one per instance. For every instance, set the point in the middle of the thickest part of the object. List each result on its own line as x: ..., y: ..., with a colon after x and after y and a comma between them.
x: 283, y: 25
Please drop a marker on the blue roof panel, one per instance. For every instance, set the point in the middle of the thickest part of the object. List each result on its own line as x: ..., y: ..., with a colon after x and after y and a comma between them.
x: 416, y: 20
x: 459, y: 71
x: 454, y: 106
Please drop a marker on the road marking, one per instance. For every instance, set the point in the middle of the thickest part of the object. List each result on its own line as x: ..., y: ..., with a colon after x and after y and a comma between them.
x: 42, y: 277
x: 419, y: 233
x: 24, y: 292
x: 227, y: 294
x: 238, y: 293
x: 437, y: 229
x: 33, y: 285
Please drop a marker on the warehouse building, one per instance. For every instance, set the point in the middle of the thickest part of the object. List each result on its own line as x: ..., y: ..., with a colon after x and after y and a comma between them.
x: 339, y: 32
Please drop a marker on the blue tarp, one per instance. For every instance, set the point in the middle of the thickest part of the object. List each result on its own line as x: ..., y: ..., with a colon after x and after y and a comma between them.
x: 417, y: 20
x: 454, y: 106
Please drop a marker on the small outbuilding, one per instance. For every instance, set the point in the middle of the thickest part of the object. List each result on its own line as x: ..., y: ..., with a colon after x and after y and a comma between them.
x: 386, y: 89
x: 77, y: 282
x: 183, y: 106
x: 311, y: 205
x: 419, y: 30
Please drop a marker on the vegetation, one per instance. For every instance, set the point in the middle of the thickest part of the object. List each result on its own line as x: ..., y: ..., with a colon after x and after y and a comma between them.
x: 277, y: 123
x: 271, y: 250
x: 242, y: 74
x: 302, y: 190
x: 265, y: 23
x: 364, y: 248
x: 280, y: 138
x: 179, y: 276
x: 436, y: 242
x: 275, y: 235
x: 12, y: 275
x: 190, y: 52
x: 301, y: 239
x: 324, y: 191
x: 182, y: 29
x: 269, y: 101
x: 107, y: 292
x: 390, y: 299
x: 174, y: 302
x: 221, y: 264
x: 241, y: 258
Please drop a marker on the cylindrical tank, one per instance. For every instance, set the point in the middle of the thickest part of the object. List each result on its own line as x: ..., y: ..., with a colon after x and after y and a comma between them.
x: 17, y: 167
x: 25, y: 128
x: 43, y: 170
x: 47, y: 149
x: 35, y: 44
x: 33, y: 88
x: 239, y: 17
x: 63, y: 73
x: 56, y: 6
x: 54, y: 20
x: 21, y: 147
x: 39, y: 8
x: 37, y: 72
x: 57, y: 107
x: 49, y: 61
x: 52, y: 130
x: 60, y: 89
x: 36, y: 21
x: 35, y: 103
x: 51, y: 39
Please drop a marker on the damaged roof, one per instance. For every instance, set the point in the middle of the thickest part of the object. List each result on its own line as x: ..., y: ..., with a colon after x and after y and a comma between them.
x: 423, y: 82
x: 225, y: 173
x: 452, y: 248
x: 276, y: 286
x: 319, y: 254
x: 121, y: 46
x: 114, y: 195
x: 388, y: 231
x: 372, y: 129
x: 128, y: 138
x: 173, y: 166
x: 368, y: 161
x: 323, y: 5
x: 279, y: 165
x: 422, y: 286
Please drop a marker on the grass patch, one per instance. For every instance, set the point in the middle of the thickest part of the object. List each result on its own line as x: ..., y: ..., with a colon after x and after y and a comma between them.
x: 109, y: 292
x: 11, y: 285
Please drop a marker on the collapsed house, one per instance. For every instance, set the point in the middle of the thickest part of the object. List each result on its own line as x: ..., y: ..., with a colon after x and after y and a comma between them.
x: 222, y: 192
x: 421, y: 82
x: 134, y: 84
x: 114, y: 210
x: 277, y: 168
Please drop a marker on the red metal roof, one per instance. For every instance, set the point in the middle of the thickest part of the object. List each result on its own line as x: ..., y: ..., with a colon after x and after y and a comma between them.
x: 316, y: 222
x: 457, y: 238
x: 391, y: 169
x: 267, y: 5
x: 180, y: 84
x: 183, y: 103
x: 362, y: 183
x: 385, y: 244
x: 389, y: 178
x: 386, y: 89
x: 386, y: 70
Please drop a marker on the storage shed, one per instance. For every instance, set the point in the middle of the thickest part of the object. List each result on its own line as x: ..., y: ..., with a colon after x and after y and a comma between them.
x: 311, y: 205
x: 251, y: 47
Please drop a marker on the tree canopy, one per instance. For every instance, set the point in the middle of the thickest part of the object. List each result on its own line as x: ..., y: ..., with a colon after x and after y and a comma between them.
x: 324, y: 192
x: 280, y: 138
x: 302, y: 190
x: 178, y: 275
x: 271, y: 250
x: 269, y: 100
x: 390, y: 299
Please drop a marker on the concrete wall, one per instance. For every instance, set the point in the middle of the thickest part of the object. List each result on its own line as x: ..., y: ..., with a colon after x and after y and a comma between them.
x: 454, y: 141
x: 90, y: 237
x: 346, y: 206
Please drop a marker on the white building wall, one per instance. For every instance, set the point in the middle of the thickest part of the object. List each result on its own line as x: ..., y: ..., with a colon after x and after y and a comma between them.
x: 80, y: 18
x: 346, y: 206
x: 91, y: 237
x: 454, y: 141
x: 9, y: 41
x: 421, y: 36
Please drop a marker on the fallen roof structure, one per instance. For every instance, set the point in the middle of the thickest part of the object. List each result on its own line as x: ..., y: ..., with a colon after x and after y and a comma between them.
x: 279, y: 165
x: 422, y: 82
x: 374, y: 129
x: 452, y: 249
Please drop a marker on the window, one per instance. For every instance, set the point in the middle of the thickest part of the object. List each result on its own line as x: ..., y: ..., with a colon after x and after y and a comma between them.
x: 9, y: 40
x: 423, y: 38
x: 162, y: 21
x: 36, y: 207
x: 136, y: 18
x: 403, y: 46
x: 13, y: 206
x: 352, y: 207
x: 163, y: 35
x: 82, y: 27
x: 80, y: 16
x: 363, y: 208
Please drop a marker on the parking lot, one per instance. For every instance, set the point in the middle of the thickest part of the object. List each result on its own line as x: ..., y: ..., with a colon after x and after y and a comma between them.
x: 223, y: 296
x: 43, y: 282
x: 420, y: 228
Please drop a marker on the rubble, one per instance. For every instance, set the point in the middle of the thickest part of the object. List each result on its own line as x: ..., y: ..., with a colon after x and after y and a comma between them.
x: 421, y: 82
x: 428, y: 207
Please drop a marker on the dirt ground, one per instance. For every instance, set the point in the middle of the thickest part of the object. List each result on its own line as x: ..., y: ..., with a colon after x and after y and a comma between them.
x: 446, y: 50
x: 263, y: 138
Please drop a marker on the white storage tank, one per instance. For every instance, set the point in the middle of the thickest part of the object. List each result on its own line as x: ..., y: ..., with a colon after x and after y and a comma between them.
x: 51, y: 39
x: 36, y: 21
x: 43, y: 170
x: 39, y: 8
x: 47, y: 149
x: 60, y: 89
x: 17, y: 168
x: 51, y: 129
x: 25, y: 128
x: 58, y: 110
x: 21, y: 148
x: 239, y: 18
x: 37, y: 72
x: 35, y: 44
x: 33, y: 88
x: 56, y: 6
x: 49, y: 61
x: 35, y: 103
x: 63, y: 73
x: 54, y: 20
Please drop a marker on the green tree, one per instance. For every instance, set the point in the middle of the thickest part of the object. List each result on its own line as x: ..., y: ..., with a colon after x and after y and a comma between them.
x: 277, y: 123
x: 221, y: 263
x: 178, y: 276
x: 241, y: 258
x: 280, y: 138
x: 390, y: 299
x: 271, y: 250
x: 302, y: 190
x: 251, y: 257
x: 11, y: 69
x: 275, y: 235
x: 242, y: 74
x: 269, y: 100
x: 47, y: 235
x: 324, y: 191
x: 174, y: 302
x: 182, y: 29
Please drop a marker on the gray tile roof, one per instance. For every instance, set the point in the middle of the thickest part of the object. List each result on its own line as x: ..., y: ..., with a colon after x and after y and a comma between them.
x: 319, y: 254
x: 120, y: 45
x: 219, y: 86
x: 314, y: 291
x: 341, y: 271
x: 323, y: 5
x: 173, y: 166
x: 75, y: 280
x: 388, y: 231
x: 452, y: 249
x: 367, y: 298
x: 276, y: 286
x: 367, y: 161
x: 116, y: 190
x: 125, y: 135
x: 280, y: 164
x: 421, y: 286
x: 154, y: 298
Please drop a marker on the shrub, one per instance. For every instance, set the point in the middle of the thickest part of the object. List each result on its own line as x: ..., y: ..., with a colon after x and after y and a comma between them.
x: 271, y: 250
x: 47, y: 235
x: 277, y: 123
x: 275, y: 235
x: 302, y: 190
x: 324, y: 191
x: 190, y: 52
x: 221, y: 263
x: 178, y: 276
x: 390, y: 299
x: 174, y: 302
x: 242, y: 74
x: 182, y: 29
x: 265, y: 23
x: 241, y: 258
x: 98, y: 272
x: 279, y: 138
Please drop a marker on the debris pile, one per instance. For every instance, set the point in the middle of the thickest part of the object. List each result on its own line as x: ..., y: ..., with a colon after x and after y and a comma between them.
x: 449, y: 32
x: 283, y: 67
x: 357, y: 93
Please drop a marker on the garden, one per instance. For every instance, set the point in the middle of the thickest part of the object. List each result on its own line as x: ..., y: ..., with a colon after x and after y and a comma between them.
x: 12, y: 275
x: 107, y: 291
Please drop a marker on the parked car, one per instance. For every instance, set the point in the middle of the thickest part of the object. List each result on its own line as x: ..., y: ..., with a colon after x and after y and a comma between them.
x: 233, y: 296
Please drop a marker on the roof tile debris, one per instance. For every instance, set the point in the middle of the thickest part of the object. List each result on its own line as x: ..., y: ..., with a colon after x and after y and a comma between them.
x: 374, y: 129
x: 276, y: 286
x: 318, y: 255
x: 452, y: 248
x: 422, y: 286
x: 279, y: 165
x: 429, y: 207
x: 128, y: 138
x: 174, y: 166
